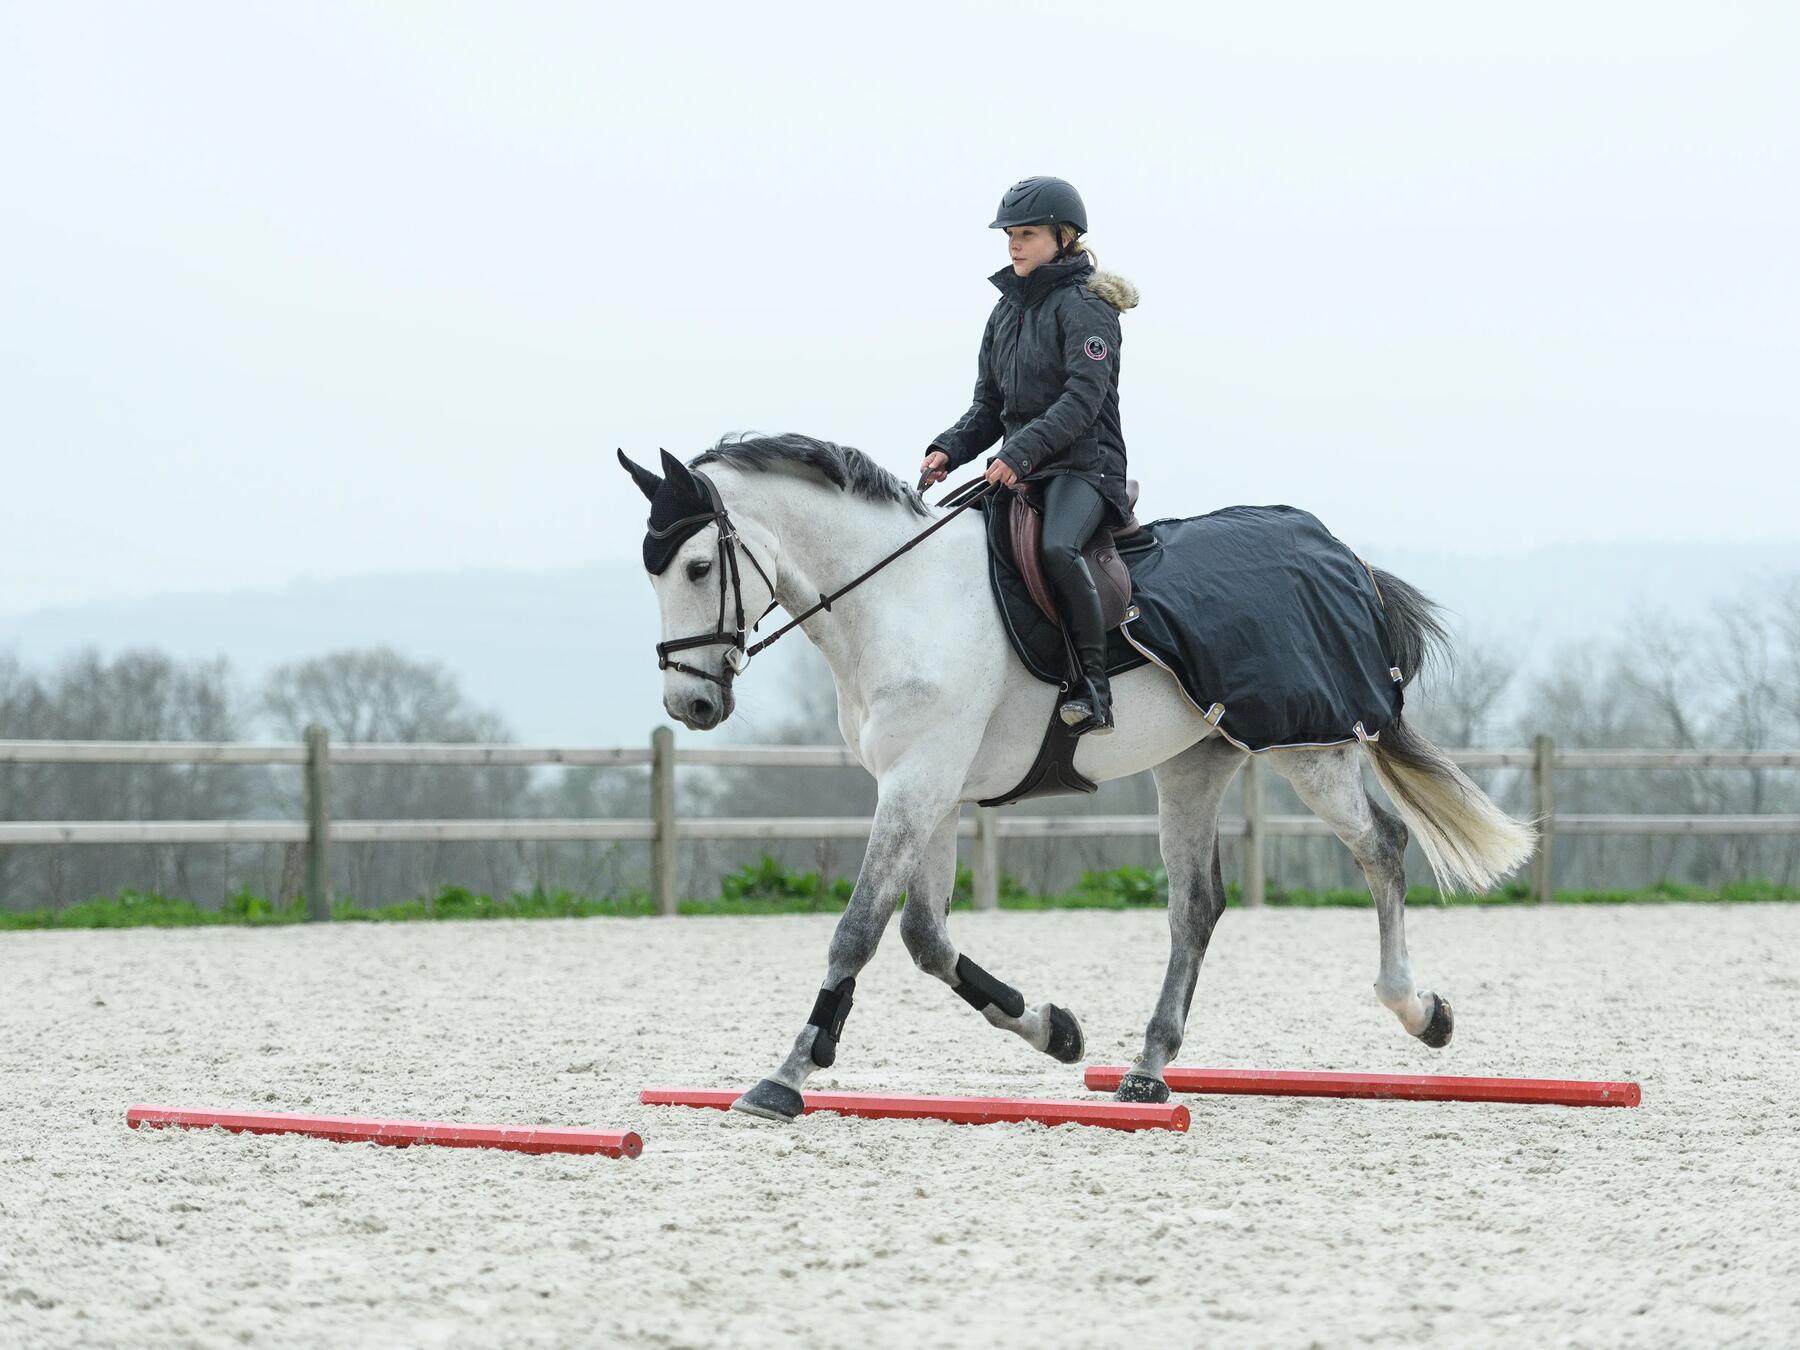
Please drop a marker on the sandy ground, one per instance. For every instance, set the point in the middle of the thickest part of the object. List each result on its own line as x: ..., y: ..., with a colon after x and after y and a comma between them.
x: 1280, y: 1223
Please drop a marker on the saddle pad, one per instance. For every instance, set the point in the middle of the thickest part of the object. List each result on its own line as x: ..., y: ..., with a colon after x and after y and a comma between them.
x: 1271, y: 625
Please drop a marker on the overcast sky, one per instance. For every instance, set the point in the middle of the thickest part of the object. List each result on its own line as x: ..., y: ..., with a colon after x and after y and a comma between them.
x: 320, y: 290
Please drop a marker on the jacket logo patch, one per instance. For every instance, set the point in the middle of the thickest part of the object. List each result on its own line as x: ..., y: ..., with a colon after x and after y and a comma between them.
x: 1095, y: 348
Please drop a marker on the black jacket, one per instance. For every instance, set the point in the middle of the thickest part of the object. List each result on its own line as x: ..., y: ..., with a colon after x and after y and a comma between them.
x: 1049, y: 378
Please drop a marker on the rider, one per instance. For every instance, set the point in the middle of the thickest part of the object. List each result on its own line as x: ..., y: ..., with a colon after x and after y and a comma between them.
x: 1048, y: 378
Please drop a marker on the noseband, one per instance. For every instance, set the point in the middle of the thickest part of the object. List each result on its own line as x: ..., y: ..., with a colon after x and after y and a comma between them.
x: 729, y: 544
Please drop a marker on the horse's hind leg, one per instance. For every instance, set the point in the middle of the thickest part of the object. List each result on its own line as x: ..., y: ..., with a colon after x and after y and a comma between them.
x: 925, y: 928
x: 1330, y: 783
x: 1189, y: 789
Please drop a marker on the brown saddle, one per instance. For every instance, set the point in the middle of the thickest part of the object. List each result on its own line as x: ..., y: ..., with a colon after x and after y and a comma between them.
x: 1111, y: 577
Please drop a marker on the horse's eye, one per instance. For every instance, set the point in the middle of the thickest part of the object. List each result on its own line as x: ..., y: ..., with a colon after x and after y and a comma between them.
x: 698, y: 568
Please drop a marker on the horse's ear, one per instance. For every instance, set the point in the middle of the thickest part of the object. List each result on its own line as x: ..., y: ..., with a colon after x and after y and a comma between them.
x: 678, y: 474
x: 647, y: 482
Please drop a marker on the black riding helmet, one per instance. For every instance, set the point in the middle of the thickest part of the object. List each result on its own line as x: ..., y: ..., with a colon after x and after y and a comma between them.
x: 1041, y: 201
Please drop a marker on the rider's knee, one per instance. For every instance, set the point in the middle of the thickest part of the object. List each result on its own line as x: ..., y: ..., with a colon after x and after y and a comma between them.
x: 1063, y: 561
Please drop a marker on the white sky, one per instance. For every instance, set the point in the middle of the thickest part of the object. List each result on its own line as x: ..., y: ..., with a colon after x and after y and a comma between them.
x: 321, y: 290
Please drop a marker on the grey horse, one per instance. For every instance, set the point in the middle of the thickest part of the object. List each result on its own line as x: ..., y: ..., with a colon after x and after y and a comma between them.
x: 935, y: 704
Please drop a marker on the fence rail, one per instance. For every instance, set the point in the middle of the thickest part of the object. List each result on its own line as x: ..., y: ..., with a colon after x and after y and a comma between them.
x: 664, y: 829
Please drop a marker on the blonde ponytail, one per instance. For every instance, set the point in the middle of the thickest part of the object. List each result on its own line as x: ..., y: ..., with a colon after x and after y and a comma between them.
x: 1077, y: 244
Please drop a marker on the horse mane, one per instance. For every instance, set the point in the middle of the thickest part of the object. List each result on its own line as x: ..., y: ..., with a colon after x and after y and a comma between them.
x: 845, y: 467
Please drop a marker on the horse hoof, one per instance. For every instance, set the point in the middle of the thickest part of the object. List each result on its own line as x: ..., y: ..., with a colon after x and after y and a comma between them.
x: 1066, y: 1041
x: 1443, y: 1022
x: 770, y: 1100
x: 1135, y: 1087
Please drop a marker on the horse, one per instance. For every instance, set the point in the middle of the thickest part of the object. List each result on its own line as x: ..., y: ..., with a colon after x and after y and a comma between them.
x: 936, y: 705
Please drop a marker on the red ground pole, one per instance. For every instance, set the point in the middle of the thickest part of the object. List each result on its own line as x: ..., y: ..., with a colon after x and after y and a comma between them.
x: 399, y: 1133
x: 957, y: 1110
x: 1395, y: 1086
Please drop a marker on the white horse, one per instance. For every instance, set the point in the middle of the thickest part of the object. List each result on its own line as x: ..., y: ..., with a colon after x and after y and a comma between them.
x: 934, y: 702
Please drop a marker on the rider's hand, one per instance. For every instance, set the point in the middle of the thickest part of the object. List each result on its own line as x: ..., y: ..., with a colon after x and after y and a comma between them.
x: 1001, y: 472
x: 936, y: 467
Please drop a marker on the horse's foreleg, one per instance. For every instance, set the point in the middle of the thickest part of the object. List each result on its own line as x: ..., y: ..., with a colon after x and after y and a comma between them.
x: 1189, y: 789
x: 906, y: 817
x: 925, y: 928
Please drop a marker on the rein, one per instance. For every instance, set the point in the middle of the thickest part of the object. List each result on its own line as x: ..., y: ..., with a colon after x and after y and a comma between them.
x: 730, y: 541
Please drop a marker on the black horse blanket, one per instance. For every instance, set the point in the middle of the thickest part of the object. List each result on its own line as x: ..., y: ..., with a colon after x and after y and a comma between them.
x: 1273, y: 628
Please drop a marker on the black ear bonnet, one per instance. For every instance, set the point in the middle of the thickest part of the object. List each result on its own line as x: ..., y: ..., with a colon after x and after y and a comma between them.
x: 680, y: 507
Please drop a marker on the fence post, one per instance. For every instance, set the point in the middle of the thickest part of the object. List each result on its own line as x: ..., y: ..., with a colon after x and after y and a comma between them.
x: 318, y: 823
x: 987, y: 857
x: 662, y: 807
x: 1543, y: 755
x: 1254, y: 841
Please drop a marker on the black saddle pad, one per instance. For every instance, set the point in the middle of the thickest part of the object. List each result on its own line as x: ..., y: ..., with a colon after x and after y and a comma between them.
x: 1270, y: 624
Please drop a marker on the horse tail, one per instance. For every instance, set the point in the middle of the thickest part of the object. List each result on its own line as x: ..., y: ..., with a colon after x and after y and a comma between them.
x: 1468, y: 840
x: 1414, y: 623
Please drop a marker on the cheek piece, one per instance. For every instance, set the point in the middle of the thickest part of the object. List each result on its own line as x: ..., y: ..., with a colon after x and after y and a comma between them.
x: 670, y: 537
x: 829, y: 1011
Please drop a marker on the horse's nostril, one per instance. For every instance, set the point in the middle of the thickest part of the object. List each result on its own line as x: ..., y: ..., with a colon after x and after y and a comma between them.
x: 703, y: 709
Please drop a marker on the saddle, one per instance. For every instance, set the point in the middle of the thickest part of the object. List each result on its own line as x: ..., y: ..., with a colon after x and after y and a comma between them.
x: 1053, y: 771
x: 1111, y: 577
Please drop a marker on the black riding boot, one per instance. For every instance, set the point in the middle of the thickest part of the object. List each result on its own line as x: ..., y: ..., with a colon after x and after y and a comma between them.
x: 1073, y: 509
x: 1088, y: 708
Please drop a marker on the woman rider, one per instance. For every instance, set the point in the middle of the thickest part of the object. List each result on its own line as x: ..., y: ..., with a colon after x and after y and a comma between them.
x: 1048, y: 379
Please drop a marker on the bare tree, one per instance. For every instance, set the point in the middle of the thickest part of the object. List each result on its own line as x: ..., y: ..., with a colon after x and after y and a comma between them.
x: 136, y: 696
x: 1729, y: 681
x: 377, y: 694
x: 1457, y: 705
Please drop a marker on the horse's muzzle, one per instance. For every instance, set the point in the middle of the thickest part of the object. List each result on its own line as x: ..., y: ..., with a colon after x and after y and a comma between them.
x: 700, y: 711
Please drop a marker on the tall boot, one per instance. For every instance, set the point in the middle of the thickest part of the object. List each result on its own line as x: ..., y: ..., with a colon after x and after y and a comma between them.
x: 1088, y: 708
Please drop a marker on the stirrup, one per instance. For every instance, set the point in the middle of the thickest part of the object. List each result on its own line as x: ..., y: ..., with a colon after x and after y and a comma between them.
x: 1078, y: 715
x: 1075, y: 711
x: 1093, y: 726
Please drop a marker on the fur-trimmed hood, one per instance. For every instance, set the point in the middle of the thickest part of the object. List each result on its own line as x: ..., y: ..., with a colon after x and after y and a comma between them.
x: 1114, y: 289
x: 1081, y: 269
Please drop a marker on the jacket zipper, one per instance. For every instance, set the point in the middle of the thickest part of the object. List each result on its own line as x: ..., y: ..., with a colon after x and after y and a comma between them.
x: 1018, y: 339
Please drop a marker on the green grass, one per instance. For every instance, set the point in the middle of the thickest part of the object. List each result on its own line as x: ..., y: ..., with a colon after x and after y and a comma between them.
x: 146, y: 909
x: 766, y: 888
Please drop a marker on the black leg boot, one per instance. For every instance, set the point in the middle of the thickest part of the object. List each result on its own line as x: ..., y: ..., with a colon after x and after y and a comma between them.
x: 1088, y: 708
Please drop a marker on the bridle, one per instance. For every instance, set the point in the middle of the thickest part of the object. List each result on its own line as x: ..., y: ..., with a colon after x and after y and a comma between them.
x: 737, y: 658
x: 729, y: 543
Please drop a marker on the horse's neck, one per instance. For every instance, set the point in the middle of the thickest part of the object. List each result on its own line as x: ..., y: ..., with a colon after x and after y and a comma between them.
x: 826, y: 538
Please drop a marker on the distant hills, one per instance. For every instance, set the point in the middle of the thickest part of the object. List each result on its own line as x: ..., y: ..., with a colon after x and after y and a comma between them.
x: 566, y: 656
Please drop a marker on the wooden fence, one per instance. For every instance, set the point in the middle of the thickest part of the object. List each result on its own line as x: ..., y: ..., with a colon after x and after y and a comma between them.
x: 664, y: 829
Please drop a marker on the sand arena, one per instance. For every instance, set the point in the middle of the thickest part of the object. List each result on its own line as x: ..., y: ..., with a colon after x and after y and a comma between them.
x: 1270, y: 1223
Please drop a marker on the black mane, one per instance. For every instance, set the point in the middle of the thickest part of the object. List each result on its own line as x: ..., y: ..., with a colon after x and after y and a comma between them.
x: 845, y: 467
